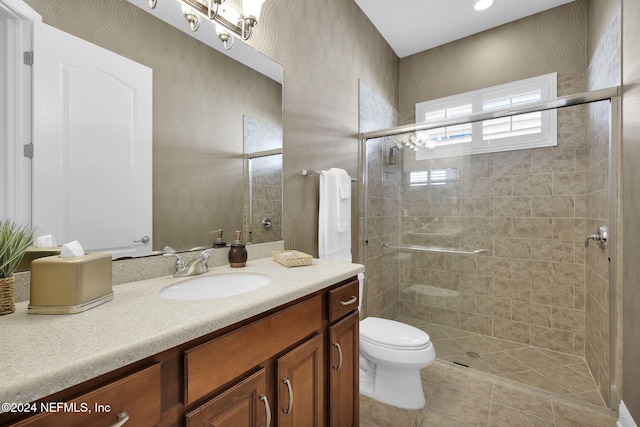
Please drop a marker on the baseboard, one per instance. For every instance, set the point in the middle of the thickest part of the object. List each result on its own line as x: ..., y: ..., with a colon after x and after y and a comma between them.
x: 624, y: 417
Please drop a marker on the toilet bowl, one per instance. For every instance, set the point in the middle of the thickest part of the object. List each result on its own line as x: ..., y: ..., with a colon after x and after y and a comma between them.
x: 391, y: 356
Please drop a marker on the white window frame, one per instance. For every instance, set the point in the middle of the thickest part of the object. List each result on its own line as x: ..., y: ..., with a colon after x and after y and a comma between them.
x: 472, y: 139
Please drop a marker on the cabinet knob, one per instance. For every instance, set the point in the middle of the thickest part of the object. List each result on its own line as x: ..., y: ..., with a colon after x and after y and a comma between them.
x: 144, y: 240
x: 288, y: 409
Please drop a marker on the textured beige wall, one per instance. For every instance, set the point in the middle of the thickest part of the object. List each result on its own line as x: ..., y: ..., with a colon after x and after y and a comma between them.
x: 550, y: 41
x: 199, y: 98
x: 631, y: 206
x: 325, y: 47
x: 604, y: 71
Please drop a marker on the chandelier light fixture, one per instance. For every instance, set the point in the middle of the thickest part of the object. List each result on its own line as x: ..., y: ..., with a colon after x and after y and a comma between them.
x: 224, y: 36
x: 229, y: 22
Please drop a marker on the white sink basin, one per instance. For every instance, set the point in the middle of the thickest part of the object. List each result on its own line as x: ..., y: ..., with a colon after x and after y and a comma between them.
x: 216, y: 286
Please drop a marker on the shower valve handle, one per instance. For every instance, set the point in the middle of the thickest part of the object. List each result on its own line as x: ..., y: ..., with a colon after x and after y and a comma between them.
x: 601, y: 238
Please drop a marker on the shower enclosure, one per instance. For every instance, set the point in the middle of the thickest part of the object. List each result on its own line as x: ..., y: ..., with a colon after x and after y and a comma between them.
x: 488, y: 252
x: 262, y: 210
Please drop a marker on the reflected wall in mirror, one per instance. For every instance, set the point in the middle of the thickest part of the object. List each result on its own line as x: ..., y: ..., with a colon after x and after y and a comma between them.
x: 263, y: 181
x: 200, y: 97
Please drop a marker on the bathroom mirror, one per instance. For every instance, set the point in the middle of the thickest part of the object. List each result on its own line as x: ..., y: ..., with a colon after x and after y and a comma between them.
x: 201, y: 96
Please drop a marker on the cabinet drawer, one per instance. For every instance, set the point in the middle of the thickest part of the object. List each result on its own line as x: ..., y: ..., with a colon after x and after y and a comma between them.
x: 215, y: 363
x: 344, y: 299
x: 138, y: 394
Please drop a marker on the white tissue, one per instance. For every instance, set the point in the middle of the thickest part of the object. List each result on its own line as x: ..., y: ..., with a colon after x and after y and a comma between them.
x: 71, y: 249
x: 46, y: 241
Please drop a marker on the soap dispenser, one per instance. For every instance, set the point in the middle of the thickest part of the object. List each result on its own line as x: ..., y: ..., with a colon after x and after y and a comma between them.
x: 219, y: 242
x: 237, y: 252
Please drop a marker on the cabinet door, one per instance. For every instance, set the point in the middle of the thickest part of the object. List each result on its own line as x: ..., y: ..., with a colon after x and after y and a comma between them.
x: 135, y: 399
x: 244, y: 404
x: 344, y: 376
x: 301, y: 385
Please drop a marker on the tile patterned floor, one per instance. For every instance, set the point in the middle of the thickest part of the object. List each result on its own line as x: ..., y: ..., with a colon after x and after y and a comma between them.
x: 460, y: 397
x: 550, y: 371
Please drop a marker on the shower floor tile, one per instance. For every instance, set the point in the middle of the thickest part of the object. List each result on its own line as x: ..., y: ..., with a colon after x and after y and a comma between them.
x: 555, y: 372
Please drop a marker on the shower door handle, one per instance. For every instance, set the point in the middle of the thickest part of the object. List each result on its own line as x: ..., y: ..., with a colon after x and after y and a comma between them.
x: 601, y: 238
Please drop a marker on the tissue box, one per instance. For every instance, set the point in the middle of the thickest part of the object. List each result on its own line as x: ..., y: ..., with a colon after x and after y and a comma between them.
x: 71, y: 284
x: 35, y: 253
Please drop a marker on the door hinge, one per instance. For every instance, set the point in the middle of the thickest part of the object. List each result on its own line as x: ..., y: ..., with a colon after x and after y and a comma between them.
x: 28, y: 57
x: 27, y: 150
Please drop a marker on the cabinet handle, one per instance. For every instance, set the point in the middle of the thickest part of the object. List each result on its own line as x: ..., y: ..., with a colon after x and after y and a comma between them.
x: 288, y: 383
x: 123, y: 417
x: 339, y: 365
x: 267, y: 409
x: 349, y: 302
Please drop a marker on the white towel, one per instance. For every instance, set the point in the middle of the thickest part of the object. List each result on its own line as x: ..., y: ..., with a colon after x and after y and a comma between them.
x: 344, y: 203
x: 334, y: 215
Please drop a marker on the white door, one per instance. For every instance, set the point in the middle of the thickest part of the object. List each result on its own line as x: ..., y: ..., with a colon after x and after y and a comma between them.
x: 92, y: 136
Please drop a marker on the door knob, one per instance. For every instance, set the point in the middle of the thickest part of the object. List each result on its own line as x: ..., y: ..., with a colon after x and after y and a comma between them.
x: 144, y: 240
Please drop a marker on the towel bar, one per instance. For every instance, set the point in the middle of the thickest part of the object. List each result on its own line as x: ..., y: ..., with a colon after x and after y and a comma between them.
x: 306, y: 172
x: 436, y: 249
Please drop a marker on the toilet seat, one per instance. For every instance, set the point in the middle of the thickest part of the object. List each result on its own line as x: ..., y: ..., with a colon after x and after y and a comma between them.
x: 393, y: 335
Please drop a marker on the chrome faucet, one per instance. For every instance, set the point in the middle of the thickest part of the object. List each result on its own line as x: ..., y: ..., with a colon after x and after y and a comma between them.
x: 196, y: 266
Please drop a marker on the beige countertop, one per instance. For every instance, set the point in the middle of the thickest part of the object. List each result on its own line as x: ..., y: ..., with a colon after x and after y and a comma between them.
x: 44, y: 354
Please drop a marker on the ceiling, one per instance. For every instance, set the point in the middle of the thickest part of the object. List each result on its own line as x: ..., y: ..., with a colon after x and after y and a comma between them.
x: 412, y: 26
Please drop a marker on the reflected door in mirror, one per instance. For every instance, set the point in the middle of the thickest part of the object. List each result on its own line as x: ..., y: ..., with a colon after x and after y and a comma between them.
x: 92, y: 145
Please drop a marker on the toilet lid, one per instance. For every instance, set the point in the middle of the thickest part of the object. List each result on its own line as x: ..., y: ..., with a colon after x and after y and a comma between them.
x: 392, y: 334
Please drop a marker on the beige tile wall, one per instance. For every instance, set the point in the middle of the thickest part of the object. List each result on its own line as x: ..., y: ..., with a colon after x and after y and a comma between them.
x: 266, y: 199
x: 265, y: 191
x: 527, y: 208
x: 604, y: 71
x: 629, y: 291
x: 379, y: 207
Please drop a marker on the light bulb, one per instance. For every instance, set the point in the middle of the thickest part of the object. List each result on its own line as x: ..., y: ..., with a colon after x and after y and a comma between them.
x: 482, y: 4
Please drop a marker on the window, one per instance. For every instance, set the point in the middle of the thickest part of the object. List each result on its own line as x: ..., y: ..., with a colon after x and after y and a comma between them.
x: 504, y: 134
x: 434, y: 177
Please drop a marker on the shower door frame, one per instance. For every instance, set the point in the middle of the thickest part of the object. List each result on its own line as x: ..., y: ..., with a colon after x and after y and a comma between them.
x: 613, y: 95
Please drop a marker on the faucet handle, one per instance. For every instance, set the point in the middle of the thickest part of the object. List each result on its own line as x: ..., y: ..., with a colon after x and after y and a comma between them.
x: 169, y: 251
x: 206, y: 254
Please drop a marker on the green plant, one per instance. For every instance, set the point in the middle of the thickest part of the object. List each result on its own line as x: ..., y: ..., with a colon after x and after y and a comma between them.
x: 14, y: 241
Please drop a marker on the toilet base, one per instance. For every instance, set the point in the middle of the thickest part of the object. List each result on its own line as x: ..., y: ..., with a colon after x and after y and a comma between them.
x: 401, y: 388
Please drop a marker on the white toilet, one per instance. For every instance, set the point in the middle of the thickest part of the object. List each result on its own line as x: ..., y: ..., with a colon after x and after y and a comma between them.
x: 391, y: 356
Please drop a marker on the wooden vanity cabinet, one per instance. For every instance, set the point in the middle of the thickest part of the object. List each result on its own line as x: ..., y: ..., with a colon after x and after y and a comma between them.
x: 133, y: 400
x: 294, y: 366
x: 240, y: 405
x: 344, y: 356
x: 300, y: 377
